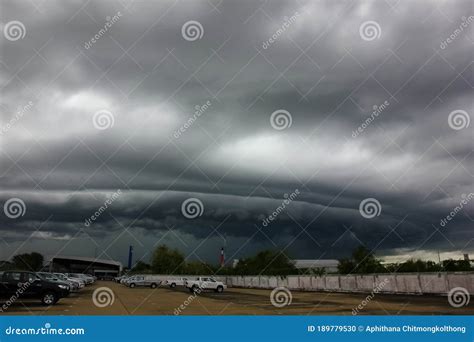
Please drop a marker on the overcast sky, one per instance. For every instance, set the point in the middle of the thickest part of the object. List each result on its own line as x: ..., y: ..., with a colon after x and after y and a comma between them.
x: 171, y: 100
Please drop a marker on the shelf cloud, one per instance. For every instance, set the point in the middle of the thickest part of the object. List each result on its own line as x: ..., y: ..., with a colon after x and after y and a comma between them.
x: 119, y: 112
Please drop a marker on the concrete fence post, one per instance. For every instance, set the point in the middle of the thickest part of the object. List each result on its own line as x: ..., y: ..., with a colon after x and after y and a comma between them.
x: 419, y: 283
x: 446, y: 282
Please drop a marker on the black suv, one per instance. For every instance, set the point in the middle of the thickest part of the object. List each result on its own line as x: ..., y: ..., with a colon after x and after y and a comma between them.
x: 24, y: 284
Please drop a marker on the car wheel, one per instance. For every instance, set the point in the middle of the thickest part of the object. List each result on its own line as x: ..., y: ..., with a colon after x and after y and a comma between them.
x: 173, y: 285
x: 194, y: 289
x: 219, y: 289
x: 153, y: 286
x: 132, y: 285
x: 49, y: 298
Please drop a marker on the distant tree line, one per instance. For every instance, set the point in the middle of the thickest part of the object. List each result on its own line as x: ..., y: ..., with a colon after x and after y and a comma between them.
x: 171, y: 261
x: 269, y: 262
x: 27, y: 261
x: 364, y: 261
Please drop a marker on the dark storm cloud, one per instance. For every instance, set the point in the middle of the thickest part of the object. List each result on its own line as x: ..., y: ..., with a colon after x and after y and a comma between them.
x: 229, y: 156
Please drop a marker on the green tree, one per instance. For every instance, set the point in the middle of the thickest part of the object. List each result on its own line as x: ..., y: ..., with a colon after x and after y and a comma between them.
x: 6, y: 265
x: 363, y: 261
x: 346, y: 266
x: 141, y: 267
x: 451, y: 265
x: 366, y: 262
x: 167, y: 261
x: 266, y: 263
x: 28, y: 261
x: 198, y: 268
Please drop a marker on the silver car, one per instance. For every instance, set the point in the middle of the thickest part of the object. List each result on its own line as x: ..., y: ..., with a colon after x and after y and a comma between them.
x: 143, y: 280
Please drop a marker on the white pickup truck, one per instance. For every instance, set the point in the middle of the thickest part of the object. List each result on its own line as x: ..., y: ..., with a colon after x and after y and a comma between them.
x: 175, y: 282
x: 205, y: 283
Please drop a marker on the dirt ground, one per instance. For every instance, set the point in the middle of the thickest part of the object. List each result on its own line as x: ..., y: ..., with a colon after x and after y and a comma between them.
x: 234, y: 301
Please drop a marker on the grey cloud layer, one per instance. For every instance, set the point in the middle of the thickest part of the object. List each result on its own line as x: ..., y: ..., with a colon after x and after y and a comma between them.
x: 319, y: 69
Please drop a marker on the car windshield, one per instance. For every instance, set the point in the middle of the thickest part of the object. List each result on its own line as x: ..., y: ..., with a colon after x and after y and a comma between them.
x: 44, y: 276
x: 31, y: 277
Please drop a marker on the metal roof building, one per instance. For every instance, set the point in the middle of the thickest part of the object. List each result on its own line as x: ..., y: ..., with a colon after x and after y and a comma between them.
x: 330, y: 265
x: 93, y: 266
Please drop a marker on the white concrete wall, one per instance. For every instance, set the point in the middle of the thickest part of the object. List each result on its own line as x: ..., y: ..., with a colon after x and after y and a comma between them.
x: 433, y: 283
x: 402, y: 283
x: 348, y: 283
x: 265, y: 282
x: 272, y: 282
x: 319, y: 283
x: 459, y: 279
x: 365, y: 282
x: 332, y: 283
x: 293, y: 282
x: 386, y: 283
x: 282, y: 282
x: 408, y: 283
x: 305, y: 283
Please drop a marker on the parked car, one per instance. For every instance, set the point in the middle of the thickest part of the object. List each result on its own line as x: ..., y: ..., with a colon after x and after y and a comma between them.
x: 143, y: 280
x: 32, y: 286
x: 73, y: 286
x: 79, y: 280
x: 77, y: 284
x: 52, y: 277
x: 119, y: 278
x: 205, y: 283
x: 87, y: 278
x: 175, y: 282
